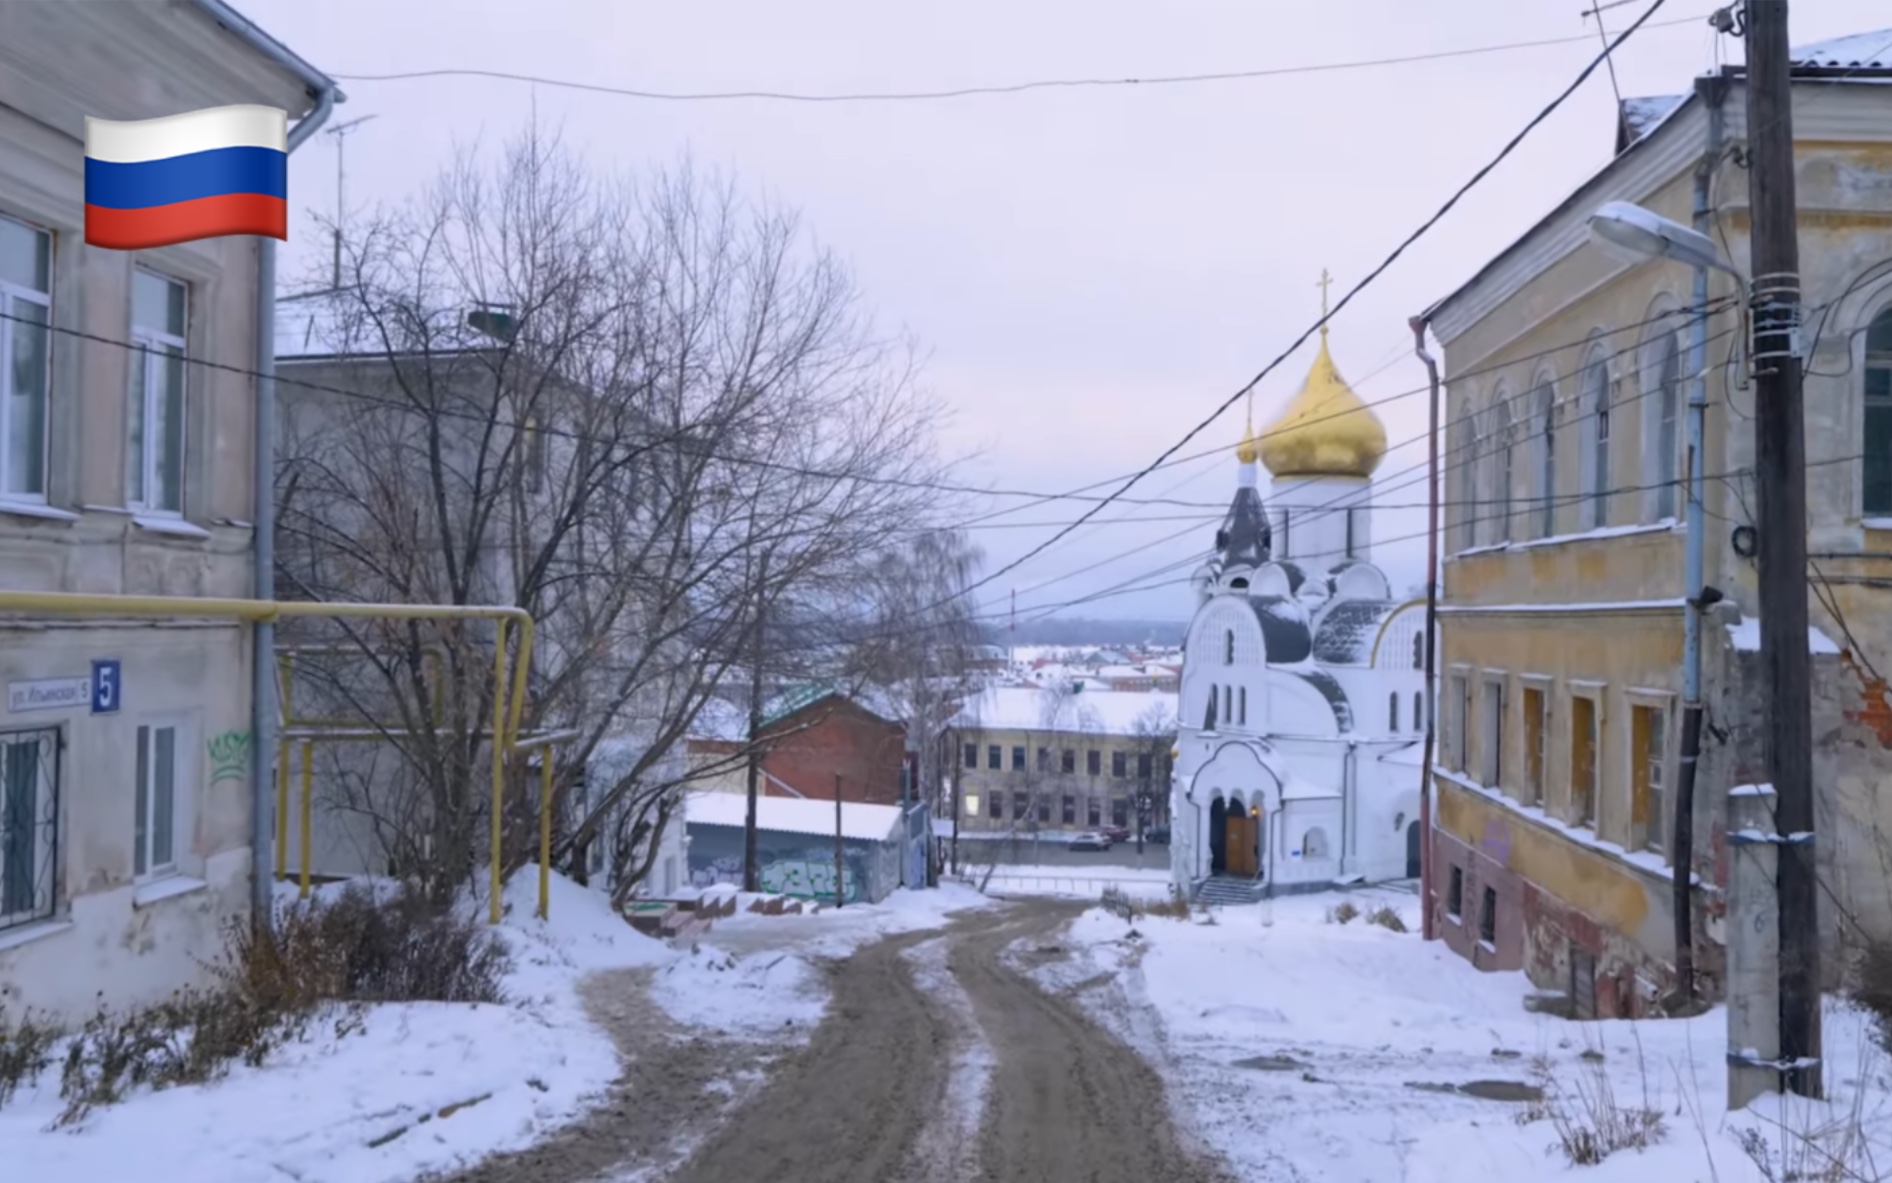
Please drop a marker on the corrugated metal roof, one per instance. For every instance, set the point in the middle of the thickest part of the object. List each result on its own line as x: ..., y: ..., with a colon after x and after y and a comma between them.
x: 1856, y: 51
x: 1346, y: 632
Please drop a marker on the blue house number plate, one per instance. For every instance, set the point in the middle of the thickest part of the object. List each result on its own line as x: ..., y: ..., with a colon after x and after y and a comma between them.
x: 105, y: 687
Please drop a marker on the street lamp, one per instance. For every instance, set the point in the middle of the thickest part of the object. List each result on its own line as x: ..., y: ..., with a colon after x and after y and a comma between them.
x: 1633, y: 233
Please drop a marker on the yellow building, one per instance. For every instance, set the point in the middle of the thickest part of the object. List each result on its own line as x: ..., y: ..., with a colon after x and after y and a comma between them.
x: 1562, y: 621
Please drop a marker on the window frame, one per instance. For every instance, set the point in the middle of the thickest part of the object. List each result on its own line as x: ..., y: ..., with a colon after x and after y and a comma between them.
x: 1466, y: 457
x: 1493, y: 707
x: 1596, y: 397
x: 9, y: 292
x: 1544, y: 409
x: 1455, y: 895
x: 45, y: 826
x: 994, y: 757
x: 1093, y: 762
x: 1488, y: 916
x: 1661, y: 459
x: 1536, y: 755
x: 1874, y: 362
x: 152, y: 342
x: 1120, y: 764
x: 1459, y: 684
x: 1592, y: 816
x: 1651, y: 778
x: 1018, y: 757
x: 972, y: 755
x: 1501, y: 455
x: 145, y: 866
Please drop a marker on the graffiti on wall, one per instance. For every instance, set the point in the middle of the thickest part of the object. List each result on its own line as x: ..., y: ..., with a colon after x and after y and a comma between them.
x: 801, y: 874
x: 229, y: 756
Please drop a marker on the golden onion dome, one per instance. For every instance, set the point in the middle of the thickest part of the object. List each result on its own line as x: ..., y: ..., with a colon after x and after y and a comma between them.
x: 1325, y: 430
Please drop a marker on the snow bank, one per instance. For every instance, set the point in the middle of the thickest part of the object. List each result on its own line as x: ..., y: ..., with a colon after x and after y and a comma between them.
x: 418, y: 1087
x: 1301, y: 1048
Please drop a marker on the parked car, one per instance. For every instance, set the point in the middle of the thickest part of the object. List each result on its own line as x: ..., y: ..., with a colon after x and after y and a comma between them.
x: 1157, y: 834
x: 1090, y: 842
x: 1117, y: 833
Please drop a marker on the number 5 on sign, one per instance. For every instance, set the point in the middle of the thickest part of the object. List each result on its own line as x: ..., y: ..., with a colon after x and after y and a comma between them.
x: 104, y: 687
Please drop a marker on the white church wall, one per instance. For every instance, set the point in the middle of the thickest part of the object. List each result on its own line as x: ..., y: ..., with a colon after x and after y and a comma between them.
x: 1320, y: 521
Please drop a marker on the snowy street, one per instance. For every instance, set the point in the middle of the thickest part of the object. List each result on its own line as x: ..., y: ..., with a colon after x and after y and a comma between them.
x: 943, y: 1036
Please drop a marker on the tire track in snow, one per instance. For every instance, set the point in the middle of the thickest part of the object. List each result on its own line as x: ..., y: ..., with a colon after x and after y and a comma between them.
x: 949, y: 1145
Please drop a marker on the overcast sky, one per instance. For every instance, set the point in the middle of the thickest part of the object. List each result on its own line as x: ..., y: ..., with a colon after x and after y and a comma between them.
x: 1091, y: 270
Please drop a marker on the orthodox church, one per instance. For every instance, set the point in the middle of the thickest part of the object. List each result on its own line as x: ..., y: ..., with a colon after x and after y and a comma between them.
x: 1303, y: 690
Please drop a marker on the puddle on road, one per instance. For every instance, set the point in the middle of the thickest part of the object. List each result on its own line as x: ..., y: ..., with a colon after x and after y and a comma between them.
x: 1514, y: 1091
x: 1272, y: 1064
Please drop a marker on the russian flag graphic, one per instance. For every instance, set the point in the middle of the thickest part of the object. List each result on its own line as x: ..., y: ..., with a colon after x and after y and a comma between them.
x: 203, y: 174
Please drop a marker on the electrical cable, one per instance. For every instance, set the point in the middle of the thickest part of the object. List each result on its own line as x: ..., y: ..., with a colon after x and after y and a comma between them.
x: 972, y: 91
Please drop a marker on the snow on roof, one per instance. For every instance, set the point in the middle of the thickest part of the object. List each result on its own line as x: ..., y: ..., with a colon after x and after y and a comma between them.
x: 1089, y: 711
x: 1856, y: 51
x: 1746, y: 636
x: 1643, y: 115
x: 1347, y: 631
x: 790, y: 815
x: 1410, y: 756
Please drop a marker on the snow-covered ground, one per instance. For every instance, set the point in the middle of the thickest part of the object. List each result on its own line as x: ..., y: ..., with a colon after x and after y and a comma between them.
x: 1307, y: 1050
x: 378, y: 1104
x: 428, y: 1086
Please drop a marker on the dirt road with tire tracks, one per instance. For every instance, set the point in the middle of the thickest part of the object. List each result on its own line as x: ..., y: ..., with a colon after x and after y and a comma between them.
x: 871, y: 1097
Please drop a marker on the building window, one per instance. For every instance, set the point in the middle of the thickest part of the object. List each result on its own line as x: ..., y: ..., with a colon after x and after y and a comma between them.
x: 29, y: 825
x: 1145, y: 763
x: 154, y: 452
x: 1228, y: 703
x: 155, y: 852
x: 1649, y: 739
x: 1241, y: 706
x: 972, y: 755
x: 1094, y: 762
x: 1876, y: 487
x: 1596, y: 430
x: 1094, y: 812
x: 1419, y: 650
x: 1502, y: 446
x: 1392, y: 711
x: 25, y: 360
x: 1119, y: 764
x: 1070, y: 810
x: 1021, y: 807
x: 1044, y: 811
x: 995, y: 807
x: 1068, y: 760
x: 1119, y: 811
x: 1662, y: 379
x: 1314, y: 844
x: 1208, y: 716
x: 1492, y: 741
x: 1419, y: 710
x: 994, y: 757
x: 1018, y: 758
x: 1536, y: 716
x: 1460, y: 721
x: 1228, y: 647
x: 1584, y: 740
x: 1545, y: 406
x: 1488, y: 917
x: 1464, y: 451
x: 1455, y: 894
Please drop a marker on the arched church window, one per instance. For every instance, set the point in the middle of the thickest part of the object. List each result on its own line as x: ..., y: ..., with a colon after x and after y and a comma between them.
x: 1228, y: 647
x: 1418, y: 710
x: 1596, y: 430
x: 1501, y: 473
x: 1314, y: 845
x: 1228, y: 703
x: 1545, y: 409
x: 1876, y: 470
x: 1392, y: 711
x: 1241, y: 702
x: 1419, y: 650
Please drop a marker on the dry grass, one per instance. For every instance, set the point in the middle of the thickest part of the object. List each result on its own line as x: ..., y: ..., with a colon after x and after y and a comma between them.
x: 1590, y: 1123
x: 1387, y: 917
x: 1175, y: 907
x: 1345, y: 912
x: 318, y: 963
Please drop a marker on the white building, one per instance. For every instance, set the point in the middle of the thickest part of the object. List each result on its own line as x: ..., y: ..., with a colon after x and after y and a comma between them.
x: 1303, y: 693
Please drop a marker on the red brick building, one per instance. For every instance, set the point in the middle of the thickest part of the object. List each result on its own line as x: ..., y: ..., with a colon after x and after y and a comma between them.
x: 810, y: 745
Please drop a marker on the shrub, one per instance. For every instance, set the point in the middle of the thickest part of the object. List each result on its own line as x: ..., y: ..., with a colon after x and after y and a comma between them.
x: 26, y: 1051
x: 1387, y: 917
x: 1590, y: 1124
x: 1176, y: 906
x: 269, y: 987
x: 1343, y: 913
x: 1872, y: 987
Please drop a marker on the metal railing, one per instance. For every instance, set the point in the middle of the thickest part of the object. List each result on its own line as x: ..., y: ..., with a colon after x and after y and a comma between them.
x: 1088, y: 886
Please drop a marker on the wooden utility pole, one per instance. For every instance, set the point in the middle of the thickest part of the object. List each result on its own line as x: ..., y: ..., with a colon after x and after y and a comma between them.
x: 751, y: 868
x: 1781, y: 506
x: 840, y: 849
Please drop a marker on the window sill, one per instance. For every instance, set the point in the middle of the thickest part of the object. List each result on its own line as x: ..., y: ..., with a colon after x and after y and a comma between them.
x: 1487, y: 946
x: 26, y: 934
x: 176, y: 527
x: 1876, y: 523
x: 31, y: 509
x: 167, y: 888
x: 1456, y: 920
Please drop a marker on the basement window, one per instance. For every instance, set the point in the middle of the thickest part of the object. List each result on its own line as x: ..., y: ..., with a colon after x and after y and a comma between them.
x: 1488, y: 917
x: 1455, y: 894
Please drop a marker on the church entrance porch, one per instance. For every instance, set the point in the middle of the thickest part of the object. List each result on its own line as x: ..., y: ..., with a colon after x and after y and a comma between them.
x: 1218, y: 837
x: 1242, y: 843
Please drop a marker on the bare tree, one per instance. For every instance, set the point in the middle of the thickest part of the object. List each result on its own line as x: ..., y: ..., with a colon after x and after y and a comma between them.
x: 1154, y: 738
x: 638, y: 413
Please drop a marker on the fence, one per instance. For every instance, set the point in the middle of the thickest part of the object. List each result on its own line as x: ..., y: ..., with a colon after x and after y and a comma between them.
x: 1085, y: 886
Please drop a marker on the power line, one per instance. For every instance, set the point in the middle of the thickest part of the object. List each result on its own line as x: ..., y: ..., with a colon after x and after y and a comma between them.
x: 974, y: 91
x: 1357, y: 288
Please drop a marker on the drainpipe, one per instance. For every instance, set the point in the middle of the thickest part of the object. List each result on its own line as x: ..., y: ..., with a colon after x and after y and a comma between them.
x: 263, y: 446
x: 1712, y: 89
x: 1427, y: 928
x: 1347, y: 773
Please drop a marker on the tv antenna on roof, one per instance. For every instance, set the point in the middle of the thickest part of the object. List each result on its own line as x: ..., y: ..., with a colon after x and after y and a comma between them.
x: 339, y: 131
